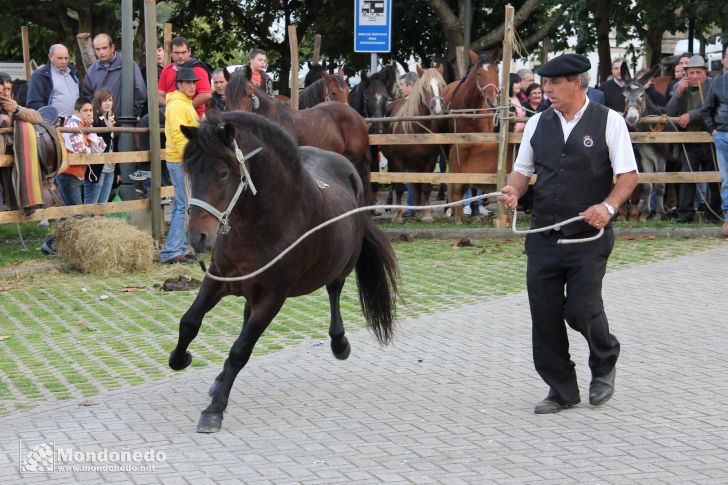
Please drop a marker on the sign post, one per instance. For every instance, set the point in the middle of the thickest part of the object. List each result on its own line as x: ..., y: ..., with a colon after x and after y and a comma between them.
x: 373, y: 26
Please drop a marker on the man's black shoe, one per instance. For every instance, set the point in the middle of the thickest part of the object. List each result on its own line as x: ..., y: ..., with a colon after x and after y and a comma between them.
x: 601, y: 389
x: 551, y: 405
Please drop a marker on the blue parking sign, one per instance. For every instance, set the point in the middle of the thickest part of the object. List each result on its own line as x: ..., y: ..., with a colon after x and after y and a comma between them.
x: 372, y: 25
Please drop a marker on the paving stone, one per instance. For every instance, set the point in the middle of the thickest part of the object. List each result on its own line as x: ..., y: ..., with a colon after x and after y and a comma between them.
x: 451, y: 401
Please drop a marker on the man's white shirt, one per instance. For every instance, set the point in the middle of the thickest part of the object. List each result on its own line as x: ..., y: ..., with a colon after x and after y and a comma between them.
x: 621, y: 154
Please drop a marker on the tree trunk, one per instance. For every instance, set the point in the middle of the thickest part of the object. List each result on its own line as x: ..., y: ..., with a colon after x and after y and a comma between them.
x: 653, y: 46
x: 601, y: 17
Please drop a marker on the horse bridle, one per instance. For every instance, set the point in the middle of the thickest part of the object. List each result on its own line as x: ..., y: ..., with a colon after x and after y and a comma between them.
x: 245, y: 182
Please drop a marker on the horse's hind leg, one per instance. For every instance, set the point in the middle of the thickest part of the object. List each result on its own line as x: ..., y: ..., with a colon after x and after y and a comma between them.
x: 339, y: 343
x: 209, y: 295
x: 261, y: 315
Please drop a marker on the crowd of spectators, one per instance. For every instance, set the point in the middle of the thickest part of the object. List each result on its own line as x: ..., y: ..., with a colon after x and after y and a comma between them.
x: 699, y: 100
x: 56, y: 92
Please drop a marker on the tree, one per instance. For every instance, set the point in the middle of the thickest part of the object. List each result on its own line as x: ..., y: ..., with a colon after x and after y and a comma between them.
x: 65, y: 19
x: 533, y: 18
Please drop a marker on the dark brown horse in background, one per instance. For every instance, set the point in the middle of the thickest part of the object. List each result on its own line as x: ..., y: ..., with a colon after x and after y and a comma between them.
x: 426, y: 98
x: 327, y: 88
x: 479, y: 92
x: 297, y: 189
x: 331, y: 126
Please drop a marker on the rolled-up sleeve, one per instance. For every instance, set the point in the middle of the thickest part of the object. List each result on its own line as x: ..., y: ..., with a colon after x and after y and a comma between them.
x: 524, y: 161
x: 621, y: 153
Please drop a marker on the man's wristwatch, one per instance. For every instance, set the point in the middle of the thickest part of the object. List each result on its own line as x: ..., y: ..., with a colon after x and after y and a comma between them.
x: 17, y: 109
x: 610, y: 209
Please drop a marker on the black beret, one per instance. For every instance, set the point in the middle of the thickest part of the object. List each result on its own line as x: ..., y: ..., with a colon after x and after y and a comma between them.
x: 565, y: 65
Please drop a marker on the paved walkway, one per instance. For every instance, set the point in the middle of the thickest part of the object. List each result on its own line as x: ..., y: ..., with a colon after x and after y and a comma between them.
x: 451, y: 401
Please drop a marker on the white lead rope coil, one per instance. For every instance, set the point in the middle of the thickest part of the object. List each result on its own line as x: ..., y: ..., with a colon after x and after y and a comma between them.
x: 555, y: 227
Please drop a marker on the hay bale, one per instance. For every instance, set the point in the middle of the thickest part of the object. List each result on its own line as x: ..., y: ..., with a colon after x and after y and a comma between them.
x: 104, y: 246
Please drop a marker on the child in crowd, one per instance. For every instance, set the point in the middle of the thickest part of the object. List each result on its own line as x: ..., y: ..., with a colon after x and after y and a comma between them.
x: 71, y: 178
x: 100, y: 178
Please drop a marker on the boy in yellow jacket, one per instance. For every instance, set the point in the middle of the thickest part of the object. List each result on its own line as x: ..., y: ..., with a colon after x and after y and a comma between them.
x: 179, y: 112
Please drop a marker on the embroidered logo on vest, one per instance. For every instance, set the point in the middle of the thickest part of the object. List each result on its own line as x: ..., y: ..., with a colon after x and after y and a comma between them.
x: 588, y: 142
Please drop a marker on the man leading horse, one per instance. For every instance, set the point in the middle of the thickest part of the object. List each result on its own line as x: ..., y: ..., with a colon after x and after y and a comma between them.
x: 576, y: 147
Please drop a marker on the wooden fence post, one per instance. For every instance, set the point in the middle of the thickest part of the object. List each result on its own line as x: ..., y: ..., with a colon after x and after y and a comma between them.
x: 460, y: 60
x: 167, y: 43
x: 26, y: 50
x: 502, y: 218
x: 316, y: 57
x: 293, y: 40
x: 150, y: 41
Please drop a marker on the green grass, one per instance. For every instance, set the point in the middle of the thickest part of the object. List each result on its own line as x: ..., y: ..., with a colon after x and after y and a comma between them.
x: 65, y: 342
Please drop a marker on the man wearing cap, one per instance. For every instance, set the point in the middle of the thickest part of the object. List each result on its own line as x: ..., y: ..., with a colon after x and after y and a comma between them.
x: 687, y: 102
x: 180, y: 111
x: 575, y: 147
x: 715, y: 116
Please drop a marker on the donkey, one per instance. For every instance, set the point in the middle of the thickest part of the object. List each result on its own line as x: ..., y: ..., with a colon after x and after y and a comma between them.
x: 654, y: 156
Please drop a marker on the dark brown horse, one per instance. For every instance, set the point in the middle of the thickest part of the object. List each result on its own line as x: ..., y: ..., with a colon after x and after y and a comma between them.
x: 295, y: 190
x: 426, y: 99
x: 331, y: 126
x: 479, y: 91
x: 327, y: 88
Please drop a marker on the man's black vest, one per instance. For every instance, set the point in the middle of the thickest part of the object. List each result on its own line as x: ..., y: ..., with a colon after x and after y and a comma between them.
x: 572, y: 176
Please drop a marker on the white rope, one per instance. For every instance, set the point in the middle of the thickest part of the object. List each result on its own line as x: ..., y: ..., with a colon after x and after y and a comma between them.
x: 391, y: 206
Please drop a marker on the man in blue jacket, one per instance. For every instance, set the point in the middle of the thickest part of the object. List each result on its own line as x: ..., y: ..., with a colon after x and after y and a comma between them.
x: 55, y: 84
x: 715, y: 116
x: 106, y: 72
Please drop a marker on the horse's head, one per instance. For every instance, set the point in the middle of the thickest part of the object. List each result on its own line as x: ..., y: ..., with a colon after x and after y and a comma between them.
x: 429, y: 89
x: 314, y: 73
x: 240, y: 94
x: 217, y: 163
x: 336, y: 88
x: 484, y: 71
x: 388, y: 76
x: 374, y: 101
x: 636, y: 101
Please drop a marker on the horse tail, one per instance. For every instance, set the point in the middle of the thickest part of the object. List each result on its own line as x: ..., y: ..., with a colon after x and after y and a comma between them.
x: 377, y: 272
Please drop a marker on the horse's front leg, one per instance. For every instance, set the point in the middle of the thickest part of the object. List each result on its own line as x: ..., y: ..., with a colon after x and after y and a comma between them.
x: 261, y: 314
x: 339, y: 343
x: 455, y: 194
x: 211, y: 292
x: 397, y: 214
x: 424, y: 192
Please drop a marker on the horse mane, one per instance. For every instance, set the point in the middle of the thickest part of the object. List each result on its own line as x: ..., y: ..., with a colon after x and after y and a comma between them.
x: 313, y: 74
x: 413, y: 105
x: 258, y: 130
x: 311, y: 94
x: 20, y: 91
x: 387, y: 76
x: 448, y: 71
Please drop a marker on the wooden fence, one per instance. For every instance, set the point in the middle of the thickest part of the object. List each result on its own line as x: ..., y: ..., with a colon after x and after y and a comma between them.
x: 381, y: 177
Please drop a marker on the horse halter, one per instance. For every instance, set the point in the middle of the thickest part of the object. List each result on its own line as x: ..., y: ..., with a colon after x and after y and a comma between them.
x: 245, y: 182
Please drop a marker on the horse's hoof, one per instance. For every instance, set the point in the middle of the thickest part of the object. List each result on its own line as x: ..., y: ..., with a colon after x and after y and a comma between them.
x: 214, y: 388
x: 659, y: 217
x: 427, y: 220
x: 209, y: 422
x: 176, y: 364
x: 344, y: 353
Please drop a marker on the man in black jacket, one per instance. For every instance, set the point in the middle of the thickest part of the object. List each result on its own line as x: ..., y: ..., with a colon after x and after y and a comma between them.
x: 613, y: 88
x: 715, y: 115
x: 55, y: 84
x: 576, y: 147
